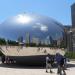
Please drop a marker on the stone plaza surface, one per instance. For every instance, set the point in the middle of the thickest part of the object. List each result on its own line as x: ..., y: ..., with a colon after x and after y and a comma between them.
x: 29, y: 51
x: 12, y: 69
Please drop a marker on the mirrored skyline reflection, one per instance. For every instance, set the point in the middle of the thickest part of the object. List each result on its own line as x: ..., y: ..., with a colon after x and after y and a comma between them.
x: 36, y: 25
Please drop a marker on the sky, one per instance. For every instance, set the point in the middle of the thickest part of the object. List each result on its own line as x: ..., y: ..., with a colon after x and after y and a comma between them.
x: 60, y: 10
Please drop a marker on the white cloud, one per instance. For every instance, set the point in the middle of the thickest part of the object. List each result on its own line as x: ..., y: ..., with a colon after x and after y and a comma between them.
x: 42, y: 27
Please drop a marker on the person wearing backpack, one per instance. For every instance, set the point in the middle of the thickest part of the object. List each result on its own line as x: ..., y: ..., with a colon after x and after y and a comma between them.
x: 60, y: 63
x: 48, y: 63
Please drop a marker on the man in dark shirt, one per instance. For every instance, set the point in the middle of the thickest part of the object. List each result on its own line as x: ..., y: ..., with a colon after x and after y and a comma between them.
x: 60, y: 63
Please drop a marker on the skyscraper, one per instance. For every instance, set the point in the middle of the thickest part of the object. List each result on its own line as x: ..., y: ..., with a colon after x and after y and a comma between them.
x: 72, y: 33
x: 35, y: 40
x: 27, y: 41
x: 73, y: 14
x: 20, y: 39
x: 70, y: 42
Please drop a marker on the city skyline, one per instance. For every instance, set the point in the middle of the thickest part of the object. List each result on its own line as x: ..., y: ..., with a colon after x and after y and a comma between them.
x: 59, y: 10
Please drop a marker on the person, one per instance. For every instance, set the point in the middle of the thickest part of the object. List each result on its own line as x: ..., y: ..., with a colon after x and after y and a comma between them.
x: 7, y: 59
x: 3, y: 58
x: 65, y: 63
x: 48, y: 63
x: 60, y: 63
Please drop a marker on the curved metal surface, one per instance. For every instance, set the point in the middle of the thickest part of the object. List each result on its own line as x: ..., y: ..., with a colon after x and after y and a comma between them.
x: 35, y: 25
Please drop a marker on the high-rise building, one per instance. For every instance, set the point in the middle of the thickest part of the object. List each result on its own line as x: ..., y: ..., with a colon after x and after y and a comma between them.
x: 47, y: 40
x: 70, y: 40
x: 20, y: 39
x: 73, y: 39
x: 35, y: 40
x: 73, y: 14
x: 27, y: 41
x: 72, y: 33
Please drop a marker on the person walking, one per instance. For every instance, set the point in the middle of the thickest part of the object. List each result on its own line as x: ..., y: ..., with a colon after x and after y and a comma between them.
x: 48, y: 64
x: 60, y: 63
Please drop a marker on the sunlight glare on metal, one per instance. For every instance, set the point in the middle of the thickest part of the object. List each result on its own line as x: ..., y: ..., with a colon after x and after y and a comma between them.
x: 23, y: 19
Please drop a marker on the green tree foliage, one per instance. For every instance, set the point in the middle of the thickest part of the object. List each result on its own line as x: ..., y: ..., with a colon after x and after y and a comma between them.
x: 1, y: 53
x: 10, y: 42
x: 2, y: 41
x: 70, y: 54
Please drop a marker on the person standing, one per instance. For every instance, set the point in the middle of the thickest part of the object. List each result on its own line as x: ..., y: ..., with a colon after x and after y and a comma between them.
x: 3, y: 58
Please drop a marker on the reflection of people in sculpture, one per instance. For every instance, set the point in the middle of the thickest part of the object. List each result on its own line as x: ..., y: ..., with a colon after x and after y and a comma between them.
x: 3, y: 58
x: 45, y: 51
x: 39, y: 49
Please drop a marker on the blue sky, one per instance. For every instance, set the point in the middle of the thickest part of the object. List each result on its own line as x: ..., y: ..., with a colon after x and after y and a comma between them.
x: 57, y: 9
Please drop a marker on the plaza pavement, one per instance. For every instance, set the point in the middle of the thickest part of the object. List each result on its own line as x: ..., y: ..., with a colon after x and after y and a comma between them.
x: 12, y: 69
x: 29, y: 51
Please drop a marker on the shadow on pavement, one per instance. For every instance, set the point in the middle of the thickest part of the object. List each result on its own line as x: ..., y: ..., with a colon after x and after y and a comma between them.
x: 70, y: 65
x: 21, y: 66
x: 24, y: 66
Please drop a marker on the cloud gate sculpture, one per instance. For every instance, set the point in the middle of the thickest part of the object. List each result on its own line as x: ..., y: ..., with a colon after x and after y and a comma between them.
x: 28, y: 37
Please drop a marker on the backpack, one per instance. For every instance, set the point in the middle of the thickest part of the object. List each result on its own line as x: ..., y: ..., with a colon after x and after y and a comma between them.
x: 62, y: 61
x: 49, y: 61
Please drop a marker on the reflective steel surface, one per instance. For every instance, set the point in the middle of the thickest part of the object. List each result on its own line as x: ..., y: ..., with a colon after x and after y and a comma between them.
x: 31, y: 26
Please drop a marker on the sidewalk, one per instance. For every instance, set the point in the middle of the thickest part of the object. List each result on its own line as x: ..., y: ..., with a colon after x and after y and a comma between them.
x: 18, y: 70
